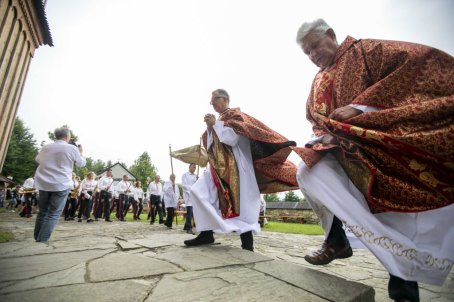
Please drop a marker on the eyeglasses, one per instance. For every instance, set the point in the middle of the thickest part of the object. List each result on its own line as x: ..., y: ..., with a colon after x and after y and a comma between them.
x: 215, y: 98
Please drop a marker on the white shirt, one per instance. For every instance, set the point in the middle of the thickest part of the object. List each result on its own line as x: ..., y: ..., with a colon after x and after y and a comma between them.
x: 123, y: 186
x: 155, y: 188
x: 171, y: 194
x: 29, y: 183
x: 56, y: 162
x: 106, y: 184
x: 88, y: 185
x: 138, y: 193
x: 187, y: 180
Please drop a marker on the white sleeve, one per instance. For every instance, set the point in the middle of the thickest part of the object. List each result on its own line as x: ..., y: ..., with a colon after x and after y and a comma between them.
x: 226, y: 134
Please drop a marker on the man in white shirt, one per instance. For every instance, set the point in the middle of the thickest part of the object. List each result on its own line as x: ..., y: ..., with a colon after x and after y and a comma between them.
x: 155, y: 195
x: 105, y: 184
x: 124, y: 187
x: 53, y: 180
x: 187, y: 180
x: 171, y: 195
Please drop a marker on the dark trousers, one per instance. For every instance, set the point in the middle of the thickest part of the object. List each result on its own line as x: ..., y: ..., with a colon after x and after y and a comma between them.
x: 104, y: 205
x: 163, y: 206
x: 84, y: 208
x: 27, y: 209
x: 120, y: 203
x: 96, y: 204
x: 188, y: 222
x: 398, y: 288
x: 157, y: 209
x: 140, y: 208
x: 170, y: 215
x: 130, y: 201
x: 70, y: 207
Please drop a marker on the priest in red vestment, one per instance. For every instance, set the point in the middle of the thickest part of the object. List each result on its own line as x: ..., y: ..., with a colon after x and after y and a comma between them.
x: 246, y: 158
x: 383, y: 160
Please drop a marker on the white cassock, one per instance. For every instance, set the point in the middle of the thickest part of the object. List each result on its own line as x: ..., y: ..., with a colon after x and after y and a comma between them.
x: 204, y: 195
x: 412, y: 246
x: 171, y: 194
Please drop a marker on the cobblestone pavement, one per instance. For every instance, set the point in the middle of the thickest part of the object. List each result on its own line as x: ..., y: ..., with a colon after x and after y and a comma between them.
x: 133, y: 261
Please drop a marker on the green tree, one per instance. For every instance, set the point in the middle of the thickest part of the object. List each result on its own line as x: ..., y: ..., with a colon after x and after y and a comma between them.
x: 291, y: 196
x: 97, y: 166
x: 273, y: 197
x: 143, y: 168
x: 20, y: 158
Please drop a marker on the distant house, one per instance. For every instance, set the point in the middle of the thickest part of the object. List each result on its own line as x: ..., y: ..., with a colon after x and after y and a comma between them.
x: 291, y: 208
x: 118, y: 170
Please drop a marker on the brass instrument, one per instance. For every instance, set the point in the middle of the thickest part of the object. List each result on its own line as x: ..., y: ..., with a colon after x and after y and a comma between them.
x: 26, y: 191
x: 75, y: 191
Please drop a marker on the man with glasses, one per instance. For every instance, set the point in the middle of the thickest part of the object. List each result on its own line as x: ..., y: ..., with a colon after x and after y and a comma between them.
x: 245, y: 157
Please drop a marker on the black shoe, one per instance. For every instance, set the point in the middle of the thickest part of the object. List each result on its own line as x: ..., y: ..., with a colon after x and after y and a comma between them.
x: 205, y: 237
x: 79, y: 220
x: 247, y: 241
x: 108, y: 220
x: 89, y: 220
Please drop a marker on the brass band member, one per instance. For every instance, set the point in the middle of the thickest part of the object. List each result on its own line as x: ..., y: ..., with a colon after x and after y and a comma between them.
x: 106, y: 186
x: 123, y: 188
x: 138, y: 196
x: 71, y: 201
x: 88, y: 186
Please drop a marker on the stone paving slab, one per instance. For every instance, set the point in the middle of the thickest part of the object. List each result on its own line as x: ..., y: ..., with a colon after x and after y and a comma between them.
x: 209, y: 256
x: 21, y: 268
x: 120, y: 266
x: 320, y: 284
x: 227, y: 284
x: 72, y: 275
x: 116, y: 291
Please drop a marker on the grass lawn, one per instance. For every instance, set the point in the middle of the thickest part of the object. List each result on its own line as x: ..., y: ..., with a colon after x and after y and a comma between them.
x: 293, y: 228
x: 143, y: 218
x: 272, y: 226
x: 5, y: 236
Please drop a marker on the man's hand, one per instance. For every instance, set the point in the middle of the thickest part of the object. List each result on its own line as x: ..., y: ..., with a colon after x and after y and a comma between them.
x: 81, y: 150
x: 210, y: 120
x: 329, y: 139
x: 344, y: 113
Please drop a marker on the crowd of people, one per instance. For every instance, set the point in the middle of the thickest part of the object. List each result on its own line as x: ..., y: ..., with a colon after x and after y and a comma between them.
x: 380, y: 165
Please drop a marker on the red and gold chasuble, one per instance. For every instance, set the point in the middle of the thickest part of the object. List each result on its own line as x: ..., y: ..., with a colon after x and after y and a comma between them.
x: 269, y: 152
x: 401, y: 157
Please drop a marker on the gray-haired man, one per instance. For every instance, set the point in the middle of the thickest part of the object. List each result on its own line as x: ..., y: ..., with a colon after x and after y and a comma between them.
x: 53, y: 180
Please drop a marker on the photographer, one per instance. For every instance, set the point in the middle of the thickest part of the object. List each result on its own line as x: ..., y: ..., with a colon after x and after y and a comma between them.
x: 53, y: 179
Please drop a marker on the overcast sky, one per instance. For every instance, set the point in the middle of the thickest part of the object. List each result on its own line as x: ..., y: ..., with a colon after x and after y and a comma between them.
x: 134, y: 76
